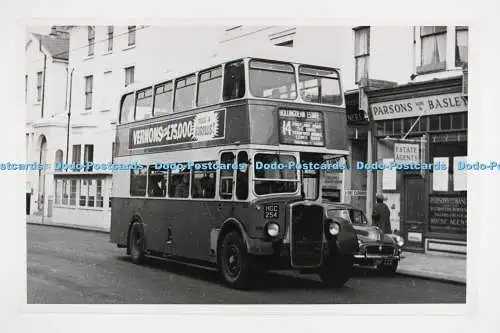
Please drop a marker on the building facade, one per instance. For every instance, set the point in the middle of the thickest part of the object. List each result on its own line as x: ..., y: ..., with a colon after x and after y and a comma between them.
x: 425, y: 122
x: 46, y: 121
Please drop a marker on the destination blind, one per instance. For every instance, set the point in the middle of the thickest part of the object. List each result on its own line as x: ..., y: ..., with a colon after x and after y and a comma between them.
x: 298, y: 127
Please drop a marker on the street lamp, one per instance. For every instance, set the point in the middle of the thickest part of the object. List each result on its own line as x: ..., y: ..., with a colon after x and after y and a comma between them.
x: 69, y: 111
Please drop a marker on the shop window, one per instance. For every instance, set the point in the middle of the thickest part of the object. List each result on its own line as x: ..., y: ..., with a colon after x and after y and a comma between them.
x: 99, y: 197
x: 203, y: 184
x: 457, y: 121
x: 157, y: 182
x: 380, y: 127
x: 72, y: 193
x: 397, y: 126
x: 138, y: 181
x: 445, y: 122
x: 92, y: 192
x: 110, y: 192
x: 84, y: 192
x: 65, y: 192
x: 58, y: 192
x: 389, y: 129
x: 434, y: 123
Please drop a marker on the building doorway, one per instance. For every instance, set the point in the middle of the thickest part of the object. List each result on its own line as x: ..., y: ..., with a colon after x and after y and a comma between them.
x: 414, y: 203
x: 41, y: 175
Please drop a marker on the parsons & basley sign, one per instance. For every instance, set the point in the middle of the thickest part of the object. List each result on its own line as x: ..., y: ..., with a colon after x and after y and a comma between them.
x: 414, y: 107
x: 203, y: 126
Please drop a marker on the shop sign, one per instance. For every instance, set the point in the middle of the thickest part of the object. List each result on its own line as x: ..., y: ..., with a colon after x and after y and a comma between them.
x: 356, y: 193
x: 406, y: 153
x: 414, y: 107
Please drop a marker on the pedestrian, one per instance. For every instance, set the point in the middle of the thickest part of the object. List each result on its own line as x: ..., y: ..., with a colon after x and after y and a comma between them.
x: 381, y: 215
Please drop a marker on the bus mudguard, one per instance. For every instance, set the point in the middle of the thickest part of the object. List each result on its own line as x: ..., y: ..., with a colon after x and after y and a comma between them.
x: 254, y: 245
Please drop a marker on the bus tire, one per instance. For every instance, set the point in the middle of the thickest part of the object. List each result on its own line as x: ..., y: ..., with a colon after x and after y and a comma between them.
x: 136, y: 243
x: 234, y: 261
x: 337, y: 271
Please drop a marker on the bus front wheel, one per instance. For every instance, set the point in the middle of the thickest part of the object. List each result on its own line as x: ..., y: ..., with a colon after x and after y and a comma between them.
x: 136, y: 243
x: 234, y: 261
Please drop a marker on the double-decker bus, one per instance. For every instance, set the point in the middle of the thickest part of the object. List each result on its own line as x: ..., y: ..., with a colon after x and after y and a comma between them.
x: 224, y: 169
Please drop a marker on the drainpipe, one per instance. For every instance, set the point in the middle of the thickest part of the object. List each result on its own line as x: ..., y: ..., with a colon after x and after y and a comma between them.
x: 43, y: 78
x: 69, y: 113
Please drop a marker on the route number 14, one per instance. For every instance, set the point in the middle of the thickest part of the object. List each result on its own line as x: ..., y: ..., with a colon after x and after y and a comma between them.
x: 286, y: 127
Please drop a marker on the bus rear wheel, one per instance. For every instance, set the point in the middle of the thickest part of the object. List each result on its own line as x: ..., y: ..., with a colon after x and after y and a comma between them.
x: 234, y: 261
x: 136, y: 243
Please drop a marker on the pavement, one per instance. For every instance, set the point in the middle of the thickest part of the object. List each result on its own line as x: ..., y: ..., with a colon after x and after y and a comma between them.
x: 434, y: 266
x: 67, y: 266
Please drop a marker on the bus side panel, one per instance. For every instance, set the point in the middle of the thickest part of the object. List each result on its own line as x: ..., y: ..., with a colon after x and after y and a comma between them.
x: 336, y: 130
x: 265, y: 120
x: 120, y: 220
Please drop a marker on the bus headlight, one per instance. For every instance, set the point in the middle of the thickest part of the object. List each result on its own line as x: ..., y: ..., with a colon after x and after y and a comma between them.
x: 273, y: 229
x: 333, y: 228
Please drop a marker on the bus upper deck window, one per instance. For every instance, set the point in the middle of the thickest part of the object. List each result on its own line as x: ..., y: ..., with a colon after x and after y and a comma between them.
x: 319, y: 85
x: 185, y: 89
x: 163, y: 98
x: 209, y: 84
x: 234, y: 80
x: 144, y: 104
x: 272, y: 80
x: 127, y: 109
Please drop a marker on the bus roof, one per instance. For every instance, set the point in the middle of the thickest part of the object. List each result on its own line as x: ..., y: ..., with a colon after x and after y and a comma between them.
x: 225, y: 54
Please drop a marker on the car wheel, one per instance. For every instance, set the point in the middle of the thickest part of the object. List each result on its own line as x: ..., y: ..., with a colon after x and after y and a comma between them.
x: 136, y: 243
x: 234, y: 261
x: 388, y: 269
x: 336, y: 272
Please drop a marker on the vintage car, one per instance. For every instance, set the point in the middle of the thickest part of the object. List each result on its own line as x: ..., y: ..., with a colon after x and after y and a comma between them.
x: 376, y: 249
